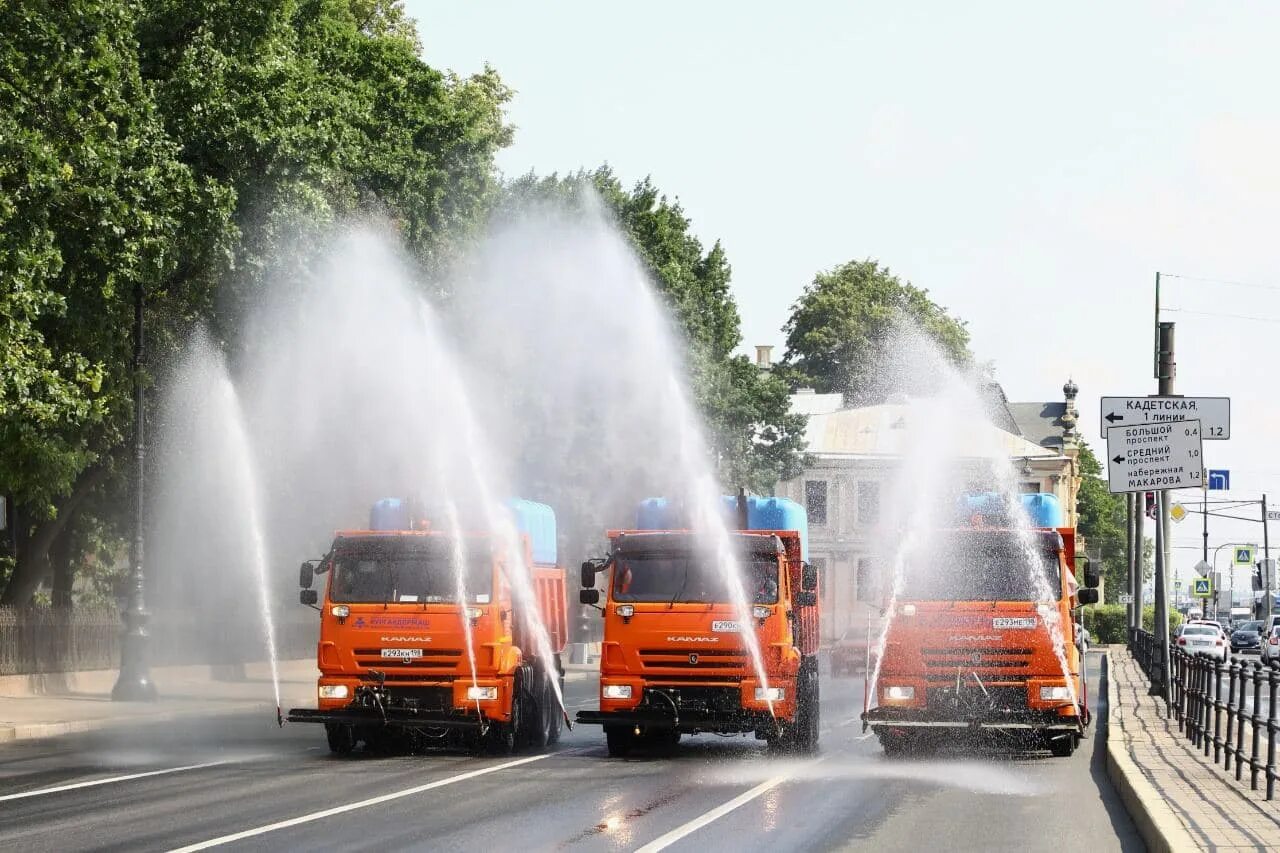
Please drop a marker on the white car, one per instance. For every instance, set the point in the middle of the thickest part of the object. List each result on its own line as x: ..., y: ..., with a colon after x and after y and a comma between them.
x: 1206, y: 640
x: 1269, y: 648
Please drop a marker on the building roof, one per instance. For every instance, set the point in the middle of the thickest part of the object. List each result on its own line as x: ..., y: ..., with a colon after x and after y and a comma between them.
x: 997, y: 405
x: 1040, y: 423
x: 885, y: 431
x: 807, y: 402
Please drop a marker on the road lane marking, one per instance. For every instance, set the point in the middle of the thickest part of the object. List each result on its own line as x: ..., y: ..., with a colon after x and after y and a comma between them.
x: 349, y: 807
x: 662, y: 842
x: 40, y: 792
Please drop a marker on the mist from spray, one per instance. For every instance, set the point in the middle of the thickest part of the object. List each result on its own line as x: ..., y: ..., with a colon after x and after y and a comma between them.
x: 939, y: 425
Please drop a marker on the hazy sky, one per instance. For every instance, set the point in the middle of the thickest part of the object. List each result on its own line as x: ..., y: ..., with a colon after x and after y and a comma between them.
x: 1031, y: 165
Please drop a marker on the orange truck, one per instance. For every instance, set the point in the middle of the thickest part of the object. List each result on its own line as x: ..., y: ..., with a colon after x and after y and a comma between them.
x: 395, y: 662
x: 677, y: 656
x: 981, y: 637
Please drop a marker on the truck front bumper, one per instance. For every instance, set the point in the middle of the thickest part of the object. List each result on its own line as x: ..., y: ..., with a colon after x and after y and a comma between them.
x: 927, y: 718
x: 392, y: 717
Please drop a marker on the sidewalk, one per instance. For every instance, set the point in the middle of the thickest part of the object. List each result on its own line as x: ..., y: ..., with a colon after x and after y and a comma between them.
x: 1179, y: 799
x: 39, y: 706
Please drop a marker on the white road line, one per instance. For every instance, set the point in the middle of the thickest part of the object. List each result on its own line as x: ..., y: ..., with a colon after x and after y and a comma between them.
x: 664, y: 841
x: 95, y: 782
x: 349, y: 807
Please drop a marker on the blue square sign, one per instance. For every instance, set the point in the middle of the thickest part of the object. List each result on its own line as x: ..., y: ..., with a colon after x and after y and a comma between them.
x: 1219, y: 479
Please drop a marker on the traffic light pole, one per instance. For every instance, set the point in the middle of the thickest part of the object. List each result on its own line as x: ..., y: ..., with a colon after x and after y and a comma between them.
x: 1266, y: 565
x: 1166, y: 369
x: 1135, y: 603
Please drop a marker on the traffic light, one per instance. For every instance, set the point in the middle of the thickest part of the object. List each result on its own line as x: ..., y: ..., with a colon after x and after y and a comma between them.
x: 1151, y: 504
x: 1257, y: 576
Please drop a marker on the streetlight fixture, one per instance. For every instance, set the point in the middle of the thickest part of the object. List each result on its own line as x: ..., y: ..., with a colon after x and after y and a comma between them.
x: 134, y: 683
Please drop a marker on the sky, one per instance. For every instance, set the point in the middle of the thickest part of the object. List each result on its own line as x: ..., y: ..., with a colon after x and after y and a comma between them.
x: 1031, y: 165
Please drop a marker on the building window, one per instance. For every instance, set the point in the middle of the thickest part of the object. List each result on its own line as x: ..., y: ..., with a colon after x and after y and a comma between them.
x: 820, y: 568
x: 868, y: 502
x: 1030, y: 488
x: 866, y: 583
x: 815, y: 500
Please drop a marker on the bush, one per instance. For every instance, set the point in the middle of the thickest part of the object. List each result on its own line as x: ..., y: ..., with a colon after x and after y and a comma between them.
x: 1105, y: 623
x: 1149, y: 618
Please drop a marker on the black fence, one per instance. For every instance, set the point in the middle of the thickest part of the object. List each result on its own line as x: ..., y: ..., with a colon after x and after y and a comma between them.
x: 1220, y: 708
x: 42, y: 640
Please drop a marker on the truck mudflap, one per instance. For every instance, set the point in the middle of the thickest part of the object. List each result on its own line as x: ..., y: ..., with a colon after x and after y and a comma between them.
x: 690, y: 721
x: 900, y: 718
x: 391, y: 717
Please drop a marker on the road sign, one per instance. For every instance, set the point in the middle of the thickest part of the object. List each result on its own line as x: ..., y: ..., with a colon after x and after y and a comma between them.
x: 1243, y: 555
x: 1177, y: 512
x: 1219, y: 480
x: 1214, y: 413
x: 1126, y: 598
x: 1154, y: 456
x: 1203, y: 568
x: 1272, y: 514
x: 1202, y: 588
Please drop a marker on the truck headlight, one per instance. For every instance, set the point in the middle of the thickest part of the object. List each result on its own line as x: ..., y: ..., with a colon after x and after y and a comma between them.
x: 474, y: 612
x: 479, y: 693
x: 1054, y: 694
x: 342, y: 611
x: 770, y: 694
x: 626, y: 611
x: 616, y: 691
x: 760, y: 612
x: 900, y: 692
x: 908, y: 610
x: 333, y: 691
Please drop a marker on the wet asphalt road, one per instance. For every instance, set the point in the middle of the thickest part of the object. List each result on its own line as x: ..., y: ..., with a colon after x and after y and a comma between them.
x: 242, y: 784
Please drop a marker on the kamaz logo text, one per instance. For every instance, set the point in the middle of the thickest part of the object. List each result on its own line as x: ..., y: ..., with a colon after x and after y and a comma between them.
x: 973, y: 638
x: 693, y: 639
x: 405, y: 639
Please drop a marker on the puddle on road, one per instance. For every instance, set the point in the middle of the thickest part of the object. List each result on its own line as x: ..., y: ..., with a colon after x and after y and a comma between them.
x: 978, y: 777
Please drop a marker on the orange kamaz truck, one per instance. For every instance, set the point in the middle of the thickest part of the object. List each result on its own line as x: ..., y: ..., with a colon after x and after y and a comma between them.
x: 676, y: 656
x: 980, y: 636
x: 397, y: 637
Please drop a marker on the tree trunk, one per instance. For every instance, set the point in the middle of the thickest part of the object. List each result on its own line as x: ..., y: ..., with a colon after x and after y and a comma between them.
x: 62, y: 558
x: 33, y: 551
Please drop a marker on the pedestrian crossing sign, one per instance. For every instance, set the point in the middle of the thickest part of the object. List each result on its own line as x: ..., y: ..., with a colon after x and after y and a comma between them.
x: 1202, y: 588
x: 1243, y: 555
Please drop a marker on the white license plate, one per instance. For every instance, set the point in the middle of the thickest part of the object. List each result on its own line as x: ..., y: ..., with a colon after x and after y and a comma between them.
x: 402, y: 654
x: 1014, y: 622
x: 725, y: 627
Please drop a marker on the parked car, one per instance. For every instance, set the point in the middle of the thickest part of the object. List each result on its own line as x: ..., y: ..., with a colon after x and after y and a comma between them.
x: 1271, y: 648
x: 849, y: 653
x: 1206, y: 640
x: 1247, y: 637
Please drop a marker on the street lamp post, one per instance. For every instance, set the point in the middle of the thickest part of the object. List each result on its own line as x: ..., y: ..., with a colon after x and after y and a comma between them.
x: 134, y: 682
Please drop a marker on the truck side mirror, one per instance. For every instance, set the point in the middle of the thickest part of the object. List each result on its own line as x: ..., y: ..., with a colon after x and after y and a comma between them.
x: 308, y: 597
x: 808, y: 577
x: 588, y: 575
x: 306, y: 575
x: 1087, y: 596
x: 589, y: 596
x: 806, y: 599
x: 1092, y: 577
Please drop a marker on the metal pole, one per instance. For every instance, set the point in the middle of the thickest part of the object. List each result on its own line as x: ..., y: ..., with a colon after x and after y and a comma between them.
x: 1139, y: 551
x: 1166, y: 371
x: 1266, y: 564
x: 1135, y: 604
x: 1204, y: 550
x: 134, y: 682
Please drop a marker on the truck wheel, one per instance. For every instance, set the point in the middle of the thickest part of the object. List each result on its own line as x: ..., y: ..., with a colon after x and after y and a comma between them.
x: 342, y: 738
x: 555, y: 719
x: 895, y: 746
x: 620, y: 739
x: 806, y: 725
x: 1063, y: 747
x: 505, y: 738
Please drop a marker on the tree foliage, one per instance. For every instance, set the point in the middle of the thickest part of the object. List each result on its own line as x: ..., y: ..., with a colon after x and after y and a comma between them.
x: 1101, y: 521
x: 838, y: 327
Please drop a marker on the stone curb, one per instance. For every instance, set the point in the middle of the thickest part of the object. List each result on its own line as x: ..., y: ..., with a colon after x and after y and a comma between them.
x: 1159, y: 826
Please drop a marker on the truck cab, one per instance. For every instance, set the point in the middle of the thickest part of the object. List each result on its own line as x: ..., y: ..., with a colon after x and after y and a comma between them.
x: 981, y: 635
x: 406, y: 608
x: 682, y: 653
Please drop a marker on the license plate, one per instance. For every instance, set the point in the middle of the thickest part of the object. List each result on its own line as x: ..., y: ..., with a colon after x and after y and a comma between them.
x: 725, y: 627
x: 402, y: 654
x: 1014, y: 622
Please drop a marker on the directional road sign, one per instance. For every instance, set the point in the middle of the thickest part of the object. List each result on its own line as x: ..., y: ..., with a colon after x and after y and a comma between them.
x: 1202, y: 588
x: 1203, y: 568
x: 1219, y: 480
x: 1177, y: 512
x: 1272, y: 514
x: 1154, y: 456
x: 1214, y: 413
x: 1126, y: 598
x: 1242, y: 555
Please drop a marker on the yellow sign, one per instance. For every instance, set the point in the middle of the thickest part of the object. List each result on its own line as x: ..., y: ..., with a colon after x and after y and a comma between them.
x: 1177, y: 512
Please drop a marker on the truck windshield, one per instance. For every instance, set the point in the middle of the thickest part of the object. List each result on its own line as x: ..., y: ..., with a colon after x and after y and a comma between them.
x: 420, y: 578
x: 984, y: 567
x: 674, y: 577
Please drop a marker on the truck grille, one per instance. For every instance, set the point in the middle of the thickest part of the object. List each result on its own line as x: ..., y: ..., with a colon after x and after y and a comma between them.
x: 434, y: 662
x: 693, y: 659
x: 990, y: 658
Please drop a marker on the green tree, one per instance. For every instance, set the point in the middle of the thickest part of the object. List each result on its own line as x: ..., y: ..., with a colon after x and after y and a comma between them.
x: 1101, y: 521
x: 839, y: 325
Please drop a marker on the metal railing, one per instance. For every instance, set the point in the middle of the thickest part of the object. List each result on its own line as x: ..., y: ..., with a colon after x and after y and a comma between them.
x: 1217, y: 723
x: 44, y: 640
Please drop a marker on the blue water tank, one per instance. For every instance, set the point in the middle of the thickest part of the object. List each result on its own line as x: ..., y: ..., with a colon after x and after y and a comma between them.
x: 1043, y: 510
x: 763, y: 513
x: 539, y: 522
x: 390, y: 514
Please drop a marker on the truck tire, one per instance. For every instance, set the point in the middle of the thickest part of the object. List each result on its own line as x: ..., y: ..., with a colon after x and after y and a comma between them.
x: 805, y: 730
x: 342, y: 738
x: 620, y: 740
x: 555, y: 717
x: 1063, y: 747
x: 504, y: 738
